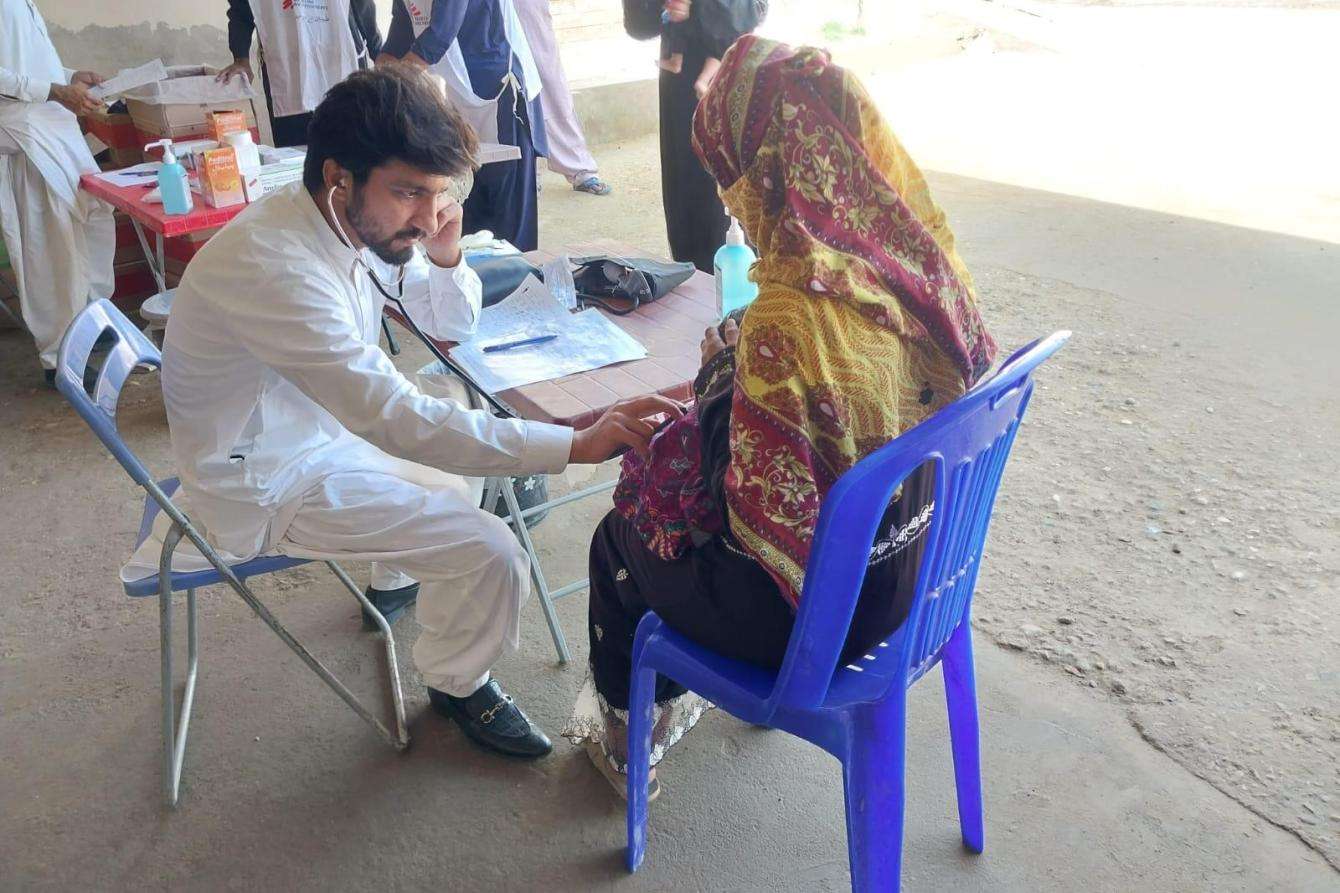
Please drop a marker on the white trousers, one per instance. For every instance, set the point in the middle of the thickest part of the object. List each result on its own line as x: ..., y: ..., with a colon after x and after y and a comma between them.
x: 62, y: 257
x: 568, y: 153
x: 418, y: 523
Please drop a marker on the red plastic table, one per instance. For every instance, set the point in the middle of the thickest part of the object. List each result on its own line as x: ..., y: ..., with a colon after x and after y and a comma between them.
x: 145, y: 215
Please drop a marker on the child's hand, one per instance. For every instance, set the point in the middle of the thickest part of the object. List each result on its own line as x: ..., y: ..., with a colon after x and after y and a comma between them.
x: 678, y: 10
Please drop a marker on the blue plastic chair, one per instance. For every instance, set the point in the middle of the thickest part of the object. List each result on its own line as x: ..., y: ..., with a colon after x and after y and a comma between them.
x: 97, y: 407
x: 858, y: 712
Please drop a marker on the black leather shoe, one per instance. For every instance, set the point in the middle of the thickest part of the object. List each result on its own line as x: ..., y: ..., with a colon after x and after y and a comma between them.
x: 390, y: 602
x: 490, y: 719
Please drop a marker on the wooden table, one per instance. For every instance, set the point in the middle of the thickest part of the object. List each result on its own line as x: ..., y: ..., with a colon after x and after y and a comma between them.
x: 671, y: 329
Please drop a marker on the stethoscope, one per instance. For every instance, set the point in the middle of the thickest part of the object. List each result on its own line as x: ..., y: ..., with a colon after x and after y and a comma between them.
x: 397, y: 299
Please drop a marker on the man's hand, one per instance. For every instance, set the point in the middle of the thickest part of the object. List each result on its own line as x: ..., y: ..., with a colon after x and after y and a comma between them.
x: 74, y: 97
x: 625, y: 425
x: 714, y: 344
x: 241, y: 68
x: 443, y: 246
x: 678, y: 10
x: 87, y: 78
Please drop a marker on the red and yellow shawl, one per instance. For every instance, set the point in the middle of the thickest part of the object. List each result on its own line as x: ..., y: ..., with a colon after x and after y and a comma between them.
x: 865, y: 322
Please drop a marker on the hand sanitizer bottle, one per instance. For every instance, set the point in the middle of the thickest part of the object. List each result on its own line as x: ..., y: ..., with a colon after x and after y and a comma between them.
x: 172, y: 182
x: 731, y: 268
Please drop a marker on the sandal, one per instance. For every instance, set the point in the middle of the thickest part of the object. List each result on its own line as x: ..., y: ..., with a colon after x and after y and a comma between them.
x: 617, y: 779
x: 594, y: 186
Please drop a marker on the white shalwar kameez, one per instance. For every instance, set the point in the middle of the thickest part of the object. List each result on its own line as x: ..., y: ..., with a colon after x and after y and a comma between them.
x: 293, y: 432
x: 61, y: 241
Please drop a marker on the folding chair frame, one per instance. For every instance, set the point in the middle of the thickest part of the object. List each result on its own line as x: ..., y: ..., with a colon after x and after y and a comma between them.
x: 176, y: 721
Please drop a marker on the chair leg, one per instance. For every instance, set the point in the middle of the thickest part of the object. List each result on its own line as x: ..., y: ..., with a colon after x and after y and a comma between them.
x: 873, y: 787
x: 541, y: 587
x: 175, y: 724
x: 641, y: 706
x: 964, y: 736
x: 401, y: 739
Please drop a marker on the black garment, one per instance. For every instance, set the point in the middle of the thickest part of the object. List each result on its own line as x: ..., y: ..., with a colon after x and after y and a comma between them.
x: 291, y: 130
x: 504, y: 199
x: 695, y: 219
x: 717, y: 594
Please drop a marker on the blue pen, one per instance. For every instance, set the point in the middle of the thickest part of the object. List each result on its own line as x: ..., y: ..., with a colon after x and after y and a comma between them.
x: 539, y: 339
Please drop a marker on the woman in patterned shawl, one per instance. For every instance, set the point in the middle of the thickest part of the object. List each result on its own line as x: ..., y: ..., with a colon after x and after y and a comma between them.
x: 865, y: 324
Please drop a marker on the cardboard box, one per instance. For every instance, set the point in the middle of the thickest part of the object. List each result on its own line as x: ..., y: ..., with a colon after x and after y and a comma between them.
x: 220, y: 180
x: 179, y: 105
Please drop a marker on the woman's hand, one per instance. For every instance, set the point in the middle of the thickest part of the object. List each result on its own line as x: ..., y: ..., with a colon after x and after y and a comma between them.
x: 714, y: 343
x: 678, y: 10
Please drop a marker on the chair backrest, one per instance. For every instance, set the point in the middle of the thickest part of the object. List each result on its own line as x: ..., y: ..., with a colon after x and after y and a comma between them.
x: 130, y: 349
x: 968, y: 443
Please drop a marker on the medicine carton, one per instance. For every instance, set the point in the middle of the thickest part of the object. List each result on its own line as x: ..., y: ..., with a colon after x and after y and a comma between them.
x: 220, y: 179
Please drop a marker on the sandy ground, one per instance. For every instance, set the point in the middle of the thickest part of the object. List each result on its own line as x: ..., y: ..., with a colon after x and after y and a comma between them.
x: 1160, y: 579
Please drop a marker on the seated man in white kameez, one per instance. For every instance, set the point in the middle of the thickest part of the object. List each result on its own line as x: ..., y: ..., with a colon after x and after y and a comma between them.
x: 293, y: 431
x: 60, y: 240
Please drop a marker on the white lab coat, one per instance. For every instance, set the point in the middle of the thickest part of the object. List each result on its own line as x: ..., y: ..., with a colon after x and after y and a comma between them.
x: 293, y: 432
x: 308, y: 49
x: 61, y: 241
x: 481, y: 112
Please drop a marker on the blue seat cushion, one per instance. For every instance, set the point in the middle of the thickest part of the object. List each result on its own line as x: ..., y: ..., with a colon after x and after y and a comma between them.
x: 266, y: 564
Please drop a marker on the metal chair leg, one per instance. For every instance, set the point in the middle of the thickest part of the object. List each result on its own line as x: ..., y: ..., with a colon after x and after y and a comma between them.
x: 174, y: 745
x: 541, y: 587
x: 391, y: 346
x: 392, y: 667
x: 175, y: 725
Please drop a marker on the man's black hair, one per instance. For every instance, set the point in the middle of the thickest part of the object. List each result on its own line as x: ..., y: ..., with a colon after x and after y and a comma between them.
x: 384, y: 114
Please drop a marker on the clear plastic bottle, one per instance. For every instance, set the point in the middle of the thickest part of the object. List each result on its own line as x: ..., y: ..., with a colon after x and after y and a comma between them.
x: 731, y: 270
x: 172, y: 182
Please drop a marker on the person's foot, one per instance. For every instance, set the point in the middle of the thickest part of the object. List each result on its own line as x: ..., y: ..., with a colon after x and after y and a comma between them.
x: 491, y: 719
x: 617, y: 779
x: 390, y: 602
x: 594, y: 186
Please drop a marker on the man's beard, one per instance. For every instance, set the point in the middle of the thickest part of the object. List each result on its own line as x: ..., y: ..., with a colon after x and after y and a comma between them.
x: 379, y: 246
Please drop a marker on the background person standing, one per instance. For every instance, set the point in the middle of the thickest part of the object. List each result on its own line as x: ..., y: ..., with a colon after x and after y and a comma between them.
x: 568, y: 153
x: 305, y: 50
x: 695, y: 219
x: 60, y: 239
x: 479, y: 49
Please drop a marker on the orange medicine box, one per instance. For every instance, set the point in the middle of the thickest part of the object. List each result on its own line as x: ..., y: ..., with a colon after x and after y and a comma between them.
x: 220, y: 179
x: 224, y: 122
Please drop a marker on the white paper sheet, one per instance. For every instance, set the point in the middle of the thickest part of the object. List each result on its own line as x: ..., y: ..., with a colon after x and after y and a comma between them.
x: 144, y: 174
x: 129, y: 79
x: 586, y: 340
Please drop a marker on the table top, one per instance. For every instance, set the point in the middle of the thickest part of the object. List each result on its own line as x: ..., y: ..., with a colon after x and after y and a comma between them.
x: 130, y: 199
x: 671, y: 329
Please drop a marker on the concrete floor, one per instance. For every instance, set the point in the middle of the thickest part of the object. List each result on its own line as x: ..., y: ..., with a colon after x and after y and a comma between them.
x: 285, y: 789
